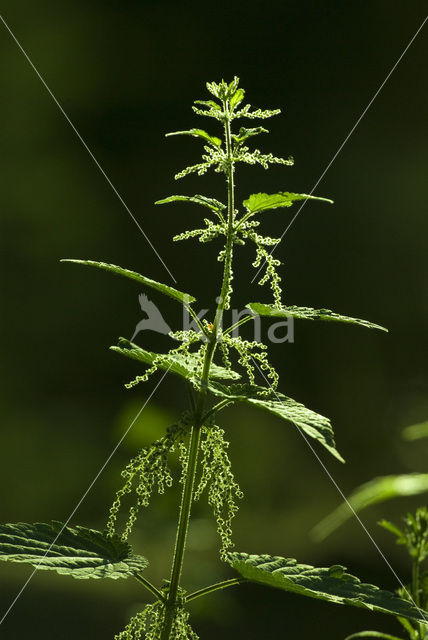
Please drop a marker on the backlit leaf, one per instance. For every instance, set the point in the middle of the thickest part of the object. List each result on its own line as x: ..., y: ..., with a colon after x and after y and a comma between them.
x: 313, y: 424
x: 75, y: 551
x: 237, y: 98
x: 264, y: 201
x: 177, y: 363
x: 370, y: 493
x: 244, y: 134
x: 198, y: 133
x: 332, y: 584
x: 210, y: 203
x: 307, y: 313
x: 184, y: 298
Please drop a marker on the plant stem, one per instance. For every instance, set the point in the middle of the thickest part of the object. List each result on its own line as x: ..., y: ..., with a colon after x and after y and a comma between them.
x: 214, y: 587
x: 218, y: 407
x: 415, y: 594
x: 150, y: 587
x: 239, y: 322
x: 192, y: 459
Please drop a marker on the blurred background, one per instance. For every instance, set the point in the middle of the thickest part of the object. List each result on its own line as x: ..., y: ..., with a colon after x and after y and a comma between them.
x: 126, y: 73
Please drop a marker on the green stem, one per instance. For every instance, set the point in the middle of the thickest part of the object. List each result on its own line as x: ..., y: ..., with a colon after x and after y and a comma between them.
x: 214, y: 587
x: 237, y: 324
x: 415, y: 594
x: 217, y: 407
x: 192, y: 459
x: 415, y: 581
x: 227, y: 272
x: 150, y: 587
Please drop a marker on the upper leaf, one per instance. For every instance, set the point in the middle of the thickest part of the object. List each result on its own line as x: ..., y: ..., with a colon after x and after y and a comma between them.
x: 245, y: 133
x: 76, y: 551
x: 307, y: 313
x: 332, y: 584
x: 209, y: 103
x: 237, y: 98
x: 313, y: 424
x: 210, y: 203
x: 180, y: 364
x: 372, y: 492
x: 184, y: 298
x: 198, y: 133
x: 263, y: 201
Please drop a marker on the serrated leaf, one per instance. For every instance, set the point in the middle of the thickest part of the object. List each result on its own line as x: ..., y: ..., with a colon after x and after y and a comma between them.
x: 313, y: 424
x: 264, y: 201
x: 373, y: 492
x: 237, y: 98
x: 244, y: 134
x: 416, y: 431
x: 332, y: 584
x: 177, y: 363
x: 307, y: 313
x: 76, y: 551
x: 198, y: 133
x: 210, y: 203
x: 184, y: 298
x: 209, y: 103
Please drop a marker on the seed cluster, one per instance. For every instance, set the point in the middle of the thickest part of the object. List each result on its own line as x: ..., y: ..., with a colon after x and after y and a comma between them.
x: 148, y: 624
x: 145, y: 472
x: 217, y: 477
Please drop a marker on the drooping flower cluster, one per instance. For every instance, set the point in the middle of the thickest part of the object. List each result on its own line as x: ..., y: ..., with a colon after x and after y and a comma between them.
x: 149, y: 623
x: 147, y: 471
x: 218, y: 479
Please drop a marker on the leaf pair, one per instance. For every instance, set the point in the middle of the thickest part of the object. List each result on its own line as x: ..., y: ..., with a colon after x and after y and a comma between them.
x: 313, y: 424
x: 86, y: 553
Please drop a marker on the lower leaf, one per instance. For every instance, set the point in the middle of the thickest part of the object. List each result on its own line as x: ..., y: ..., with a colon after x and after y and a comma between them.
x: 76, y: 551
x: 332, y: 584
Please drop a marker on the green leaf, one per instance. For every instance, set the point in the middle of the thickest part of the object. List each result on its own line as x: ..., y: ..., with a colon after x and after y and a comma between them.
x: 237, y: 98
x: 370, y: 493
x: 392, y: 528
x: 209, y: 103
x: 416, y: 431
x: 332, y: 584
x: 244, y: 134
x: 177, y: 363
x: 313, y: 424
x: 210, y: 203
x: 184, y: 298
x: 372, y: 634
x: 263, y: 201
x: 307, y: 313
x: 198, y: 133
x: 76, y: 551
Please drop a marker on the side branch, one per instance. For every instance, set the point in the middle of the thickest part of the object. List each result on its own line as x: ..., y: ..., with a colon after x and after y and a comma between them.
x: 215, y: 587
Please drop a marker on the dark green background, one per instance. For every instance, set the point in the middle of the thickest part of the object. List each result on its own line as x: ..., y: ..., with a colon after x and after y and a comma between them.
x: 126, y: 73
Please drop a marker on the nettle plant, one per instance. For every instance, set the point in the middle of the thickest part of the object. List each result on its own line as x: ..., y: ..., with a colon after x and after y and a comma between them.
x: 196, y: 436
